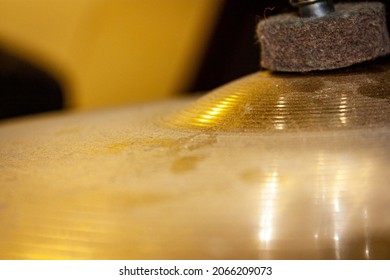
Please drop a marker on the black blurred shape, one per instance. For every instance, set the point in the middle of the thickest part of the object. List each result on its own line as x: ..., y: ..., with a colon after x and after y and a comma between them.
x: 26, y: 89
x: 233, y: 50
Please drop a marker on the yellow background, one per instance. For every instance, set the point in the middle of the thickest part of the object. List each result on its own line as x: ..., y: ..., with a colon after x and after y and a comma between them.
x: 108, y: 52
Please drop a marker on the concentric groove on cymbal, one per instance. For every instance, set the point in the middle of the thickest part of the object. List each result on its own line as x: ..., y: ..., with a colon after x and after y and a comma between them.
x: 264, y: 101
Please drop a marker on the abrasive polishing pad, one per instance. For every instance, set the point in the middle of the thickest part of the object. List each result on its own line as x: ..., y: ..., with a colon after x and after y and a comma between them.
x: 354, y: 33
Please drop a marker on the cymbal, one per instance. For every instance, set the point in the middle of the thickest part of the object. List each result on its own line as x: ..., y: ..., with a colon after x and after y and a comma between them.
x: 266, y: 167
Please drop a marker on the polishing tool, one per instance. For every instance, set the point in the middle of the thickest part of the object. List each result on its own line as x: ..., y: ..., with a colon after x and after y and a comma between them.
x: 323, y: 36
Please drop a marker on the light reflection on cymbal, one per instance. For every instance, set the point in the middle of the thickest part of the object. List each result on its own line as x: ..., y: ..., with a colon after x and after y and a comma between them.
x: 268, y: 205
x: 219, y: 110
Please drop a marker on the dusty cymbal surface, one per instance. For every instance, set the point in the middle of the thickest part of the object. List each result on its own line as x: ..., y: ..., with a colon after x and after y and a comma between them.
x: 150, y: 182
x: 265, y: 101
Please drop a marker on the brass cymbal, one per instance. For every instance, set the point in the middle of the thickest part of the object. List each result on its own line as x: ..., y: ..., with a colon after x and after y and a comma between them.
x: 267, y: 167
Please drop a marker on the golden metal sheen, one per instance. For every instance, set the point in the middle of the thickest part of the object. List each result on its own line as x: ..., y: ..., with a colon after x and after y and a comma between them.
x: 290, y: 167
x: 266, y: 102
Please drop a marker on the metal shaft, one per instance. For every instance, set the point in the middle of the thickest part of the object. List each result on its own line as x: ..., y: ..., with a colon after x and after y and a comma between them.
x: 313, y: 8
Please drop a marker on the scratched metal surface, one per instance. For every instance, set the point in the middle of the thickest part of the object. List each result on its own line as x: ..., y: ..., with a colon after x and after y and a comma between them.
x: 269, y: 167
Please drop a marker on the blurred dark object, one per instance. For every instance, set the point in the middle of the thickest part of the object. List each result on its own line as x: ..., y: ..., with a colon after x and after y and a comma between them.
x: 26, y: 89
x: 233, y: 51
